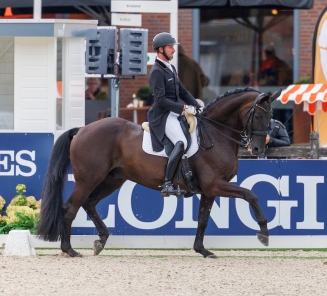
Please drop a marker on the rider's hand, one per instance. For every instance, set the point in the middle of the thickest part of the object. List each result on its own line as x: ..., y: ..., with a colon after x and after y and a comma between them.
x: 267, y: 139
x: 199, y: 110
x: 190, y: 110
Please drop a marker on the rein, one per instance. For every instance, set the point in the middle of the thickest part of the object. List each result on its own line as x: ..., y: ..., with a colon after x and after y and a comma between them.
x: 246, y: 138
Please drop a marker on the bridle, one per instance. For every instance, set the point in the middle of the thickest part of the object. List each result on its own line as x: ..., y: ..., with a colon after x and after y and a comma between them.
x: 246, y: 137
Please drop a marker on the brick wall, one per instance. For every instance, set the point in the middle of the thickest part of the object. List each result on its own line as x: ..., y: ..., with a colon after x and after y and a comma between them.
x: 160, y: 23
x: 185, y: 32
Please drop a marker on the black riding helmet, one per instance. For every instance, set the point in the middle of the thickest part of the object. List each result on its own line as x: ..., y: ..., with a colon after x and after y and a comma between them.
x: 161, y: 40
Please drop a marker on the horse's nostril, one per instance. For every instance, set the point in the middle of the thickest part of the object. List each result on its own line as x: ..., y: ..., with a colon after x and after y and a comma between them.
x: 255, y: 149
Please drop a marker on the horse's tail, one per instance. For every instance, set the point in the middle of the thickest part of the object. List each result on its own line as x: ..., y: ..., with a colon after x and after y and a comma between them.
x: 50, y: 226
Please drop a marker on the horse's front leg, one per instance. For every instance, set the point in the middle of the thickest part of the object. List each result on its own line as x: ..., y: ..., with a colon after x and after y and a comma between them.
x: 203, y: 218
x: 231, y: 190
x: 252, y: 199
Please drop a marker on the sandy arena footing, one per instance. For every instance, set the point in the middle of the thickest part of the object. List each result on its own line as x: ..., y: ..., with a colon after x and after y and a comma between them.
x: 165, y: 272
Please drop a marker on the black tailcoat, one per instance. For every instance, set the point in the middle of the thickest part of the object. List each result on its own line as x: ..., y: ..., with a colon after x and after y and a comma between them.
x: 166, y: 89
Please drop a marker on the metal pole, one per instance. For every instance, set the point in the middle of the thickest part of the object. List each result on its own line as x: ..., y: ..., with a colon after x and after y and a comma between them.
x: 296, y: 46
x: 114, y: 96
x: 174, y: 28
x: 37, y: 9
x: 196, y: 34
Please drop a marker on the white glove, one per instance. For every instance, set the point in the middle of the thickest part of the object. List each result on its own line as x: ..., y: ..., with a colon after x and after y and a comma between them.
x: 200, y: 110
x: 190, y: 110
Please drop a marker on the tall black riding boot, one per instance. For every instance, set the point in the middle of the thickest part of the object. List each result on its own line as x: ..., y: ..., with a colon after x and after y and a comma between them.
x: 173, y: 160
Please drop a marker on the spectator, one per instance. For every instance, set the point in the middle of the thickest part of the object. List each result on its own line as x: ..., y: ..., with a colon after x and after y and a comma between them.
x: 277, y: 135
x: 191, y: 74
x: 274, y: 71
x: 93, y: 91
x: 238, y: 78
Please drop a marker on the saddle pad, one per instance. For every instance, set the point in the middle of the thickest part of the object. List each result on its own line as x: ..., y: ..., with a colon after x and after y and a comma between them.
x: 147, y: 144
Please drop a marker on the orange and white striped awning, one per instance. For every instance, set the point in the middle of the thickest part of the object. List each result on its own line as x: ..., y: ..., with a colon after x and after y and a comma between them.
x: 313, y: 96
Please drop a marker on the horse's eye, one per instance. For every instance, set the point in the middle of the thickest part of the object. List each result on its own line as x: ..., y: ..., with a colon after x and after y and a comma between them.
x: 257, y: 117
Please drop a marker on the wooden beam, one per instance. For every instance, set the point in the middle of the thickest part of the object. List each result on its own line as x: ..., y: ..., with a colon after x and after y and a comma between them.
x: 293, y: 151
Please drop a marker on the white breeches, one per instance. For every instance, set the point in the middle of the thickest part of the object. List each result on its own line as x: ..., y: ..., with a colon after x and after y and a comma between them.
x: 173, y: 129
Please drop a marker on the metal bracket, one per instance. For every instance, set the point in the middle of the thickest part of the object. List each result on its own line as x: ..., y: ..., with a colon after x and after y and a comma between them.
x: 117, y: 78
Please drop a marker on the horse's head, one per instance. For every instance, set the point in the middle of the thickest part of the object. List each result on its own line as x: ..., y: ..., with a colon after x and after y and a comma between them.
x: 255, y: 119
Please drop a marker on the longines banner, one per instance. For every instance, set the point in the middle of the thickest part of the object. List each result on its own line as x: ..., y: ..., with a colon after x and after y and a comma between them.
x: 320, y: 71
x: 23, y: 160
x: 292, y: 194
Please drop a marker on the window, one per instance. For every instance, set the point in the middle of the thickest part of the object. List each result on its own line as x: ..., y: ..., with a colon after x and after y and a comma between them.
x: 246, y: 47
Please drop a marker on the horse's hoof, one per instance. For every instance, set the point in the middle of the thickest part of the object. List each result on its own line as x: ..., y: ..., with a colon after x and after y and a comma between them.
x: 97, y: 247
x: 72, y: 253
x: 264, y: 239
x: 213, y: 256
x: 205, y: 253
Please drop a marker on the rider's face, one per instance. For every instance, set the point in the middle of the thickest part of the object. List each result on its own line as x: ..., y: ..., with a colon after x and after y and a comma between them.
x: 169, y: 50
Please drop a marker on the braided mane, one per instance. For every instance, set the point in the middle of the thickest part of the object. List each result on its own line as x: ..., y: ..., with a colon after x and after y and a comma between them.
x: 228, y: 93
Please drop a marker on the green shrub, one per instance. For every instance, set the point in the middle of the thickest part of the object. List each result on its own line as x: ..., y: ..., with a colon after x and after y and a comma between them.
x: 22, y: 213
x: 304, y: 80
x: 144, y: 92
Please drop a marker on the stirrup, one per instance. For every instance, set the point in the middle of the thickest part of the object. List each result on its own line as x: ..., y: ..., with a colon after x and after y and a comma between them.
x: 168, y: 189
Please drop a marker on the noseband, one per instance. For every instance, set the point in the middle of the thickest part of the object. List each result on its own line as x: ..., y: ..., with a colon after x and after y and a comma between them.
x: 246, y: 137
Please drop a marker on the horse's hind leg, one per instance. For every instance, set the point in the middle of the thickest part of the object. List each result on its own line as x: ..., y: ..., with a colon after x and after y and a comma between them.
x: 102, y: 229
x: 203, y: 218
x: 103, y: 190
x: 78, y: 198
x: 70, y: 209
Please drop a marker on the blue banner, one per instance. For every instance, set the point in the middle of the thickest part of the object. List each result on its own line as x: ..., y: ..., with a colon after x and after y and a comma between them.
x: 24, y: 159
x: 291, y: 193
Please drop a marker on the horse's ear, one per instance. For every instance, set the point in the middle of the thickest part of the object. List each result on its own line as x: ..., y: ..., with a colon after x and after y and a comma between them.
x: 264, y: 99
x: 275, y: 95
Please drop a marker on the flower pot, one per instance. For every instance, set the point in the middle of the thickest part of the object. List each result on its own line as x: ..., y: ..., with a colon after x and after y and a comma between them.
x: 135, y: 102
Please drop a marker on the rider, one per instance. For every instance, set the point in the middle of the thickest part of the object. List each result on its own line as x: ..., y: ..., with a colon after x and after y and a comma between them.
x: 169, y: 95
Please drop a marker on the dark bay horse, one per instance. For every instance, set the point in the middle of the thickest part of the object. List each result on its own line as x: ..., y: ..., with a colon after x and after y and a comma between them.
x: 106, y: 153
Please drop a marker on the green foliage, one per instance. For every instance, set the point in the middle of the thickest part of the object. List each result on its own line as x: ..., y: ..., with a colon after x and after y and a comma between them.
x: 25, y: 223
x: 22, y: 213
x: 304, y: 80
x: 20, y: 189
x: 20, y: 200
x: 144, y: 92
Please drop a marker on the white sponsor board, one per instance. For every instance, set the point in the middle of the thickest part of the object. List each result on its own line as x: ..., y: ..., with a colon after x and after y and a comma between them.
x: 124, y: 19
x: 151, y: 57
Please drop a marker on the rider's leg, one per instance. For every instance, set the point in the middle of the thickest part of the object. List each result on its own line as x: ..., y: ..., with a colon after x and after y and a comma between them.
x: 175, y: 156
x: 174, y: 132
